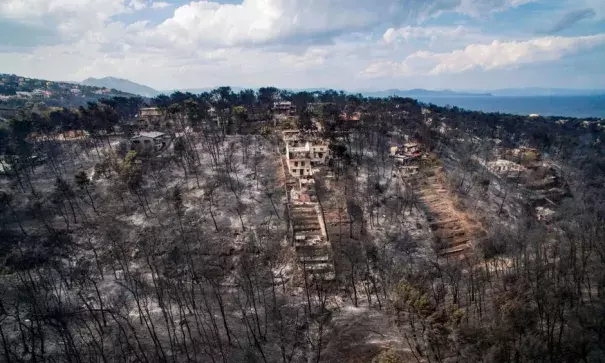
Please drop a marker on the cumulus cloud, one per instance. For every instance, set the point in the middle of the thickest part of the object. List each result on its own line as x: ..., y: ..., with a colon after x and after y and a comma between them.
x: 485, y: 56
x: 262, y: 21
x: 265, y: 21
x: 251, y: 22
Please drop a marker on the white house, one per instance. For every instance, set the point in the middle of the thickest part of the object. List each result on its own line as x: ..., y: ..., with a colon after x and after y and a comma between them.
x: 23, y: 94
x: 150, y: 112
x: 304, y: 156
x: 284, y: 107
x: 503, y: 166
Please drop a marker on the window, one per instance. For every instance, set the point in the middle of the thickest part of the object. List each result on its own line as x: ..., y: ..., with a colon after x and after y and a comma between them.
x: 302, y: 171
x: 296, y: 163
x: 302, y: 163
x: 320, y: 155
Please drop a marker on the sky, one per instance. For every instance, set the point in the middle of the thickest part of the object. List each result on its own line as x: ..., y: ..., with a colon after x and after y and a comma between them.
x: 344, y: 44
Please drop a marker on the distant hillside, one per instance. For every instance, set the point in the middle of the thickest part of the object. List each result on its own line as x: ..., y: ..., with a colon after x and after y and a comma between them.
x: 385, y: 93
x: 123, y: 85
x: 18, y: 91
x: 199, y: 90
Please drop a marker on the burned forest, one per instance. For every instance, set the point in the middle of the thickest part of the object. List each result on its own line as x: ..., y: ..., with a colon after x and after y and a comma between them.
x: 276, y: 226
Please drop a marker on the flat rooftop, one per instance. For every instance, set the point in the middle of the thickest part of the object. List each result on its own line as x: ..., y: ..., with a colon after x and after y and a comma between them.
x: 150, y: 134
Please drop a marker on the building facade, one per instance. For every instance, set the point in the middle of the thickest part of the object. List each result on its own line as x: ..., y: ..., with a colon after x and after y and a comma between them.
x: 149, y: 139
x: 304, y: 156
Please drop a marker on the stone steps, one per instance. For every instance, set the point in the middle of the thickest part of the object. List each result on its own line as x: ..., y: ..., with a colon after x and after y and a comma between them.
x: 304, y: 217
x: 313, y: 252
x: 451, y: 234
x: 443, y: 217
x: 306, y: 229
x: 460, y: 241
x: 454, y: 250
x: 319, y: 268
x: 314, y: 259
x: 440, y: 223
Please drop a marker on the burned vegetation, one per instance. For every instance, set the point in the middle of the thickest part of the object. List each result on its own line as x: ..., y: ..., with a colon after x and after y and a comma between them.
x: 269, y: 226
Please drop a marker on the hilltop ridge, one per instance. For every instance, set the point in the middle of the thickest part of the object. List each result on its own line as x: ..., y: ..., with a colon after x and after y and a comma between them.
x: 121, y: 84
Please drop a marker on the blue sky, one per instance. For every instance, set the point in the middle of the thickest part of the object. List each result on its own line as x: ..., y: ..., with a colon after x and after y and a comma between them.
x: 345, y: 44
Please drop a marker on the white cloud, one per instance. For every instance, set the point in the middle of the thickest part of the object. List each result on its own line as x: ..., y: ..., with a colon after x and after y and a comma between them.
x: 72, y: 20
x: 504, y: 54
x: 484, y: 56
x: 265, y: 21
x: 290, y: 43
x: 262, y: 21
x: 394, y: 35
x: 252, y: 22
x: 313, y: 57
x: 160, y: 5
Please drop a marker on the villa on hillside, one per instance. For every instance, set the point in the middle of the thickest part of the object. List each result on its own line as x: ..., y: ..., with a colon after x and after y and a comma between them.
x: 405, y: 152
x: 146, y: 112
x: 505, y: 167
x: 284, y: 107
x: 154, y: 139
x: 304, y: 154
x: 151, y: 118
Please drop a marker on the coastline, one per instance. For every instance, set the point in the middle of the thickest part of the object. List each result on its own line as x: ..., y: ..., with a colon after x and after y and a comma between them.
x: 563, y: 106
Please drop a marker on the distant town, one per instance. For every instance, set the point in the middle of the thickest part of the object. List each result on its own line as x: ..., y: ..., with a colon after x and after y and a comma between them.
x: 18, y: 91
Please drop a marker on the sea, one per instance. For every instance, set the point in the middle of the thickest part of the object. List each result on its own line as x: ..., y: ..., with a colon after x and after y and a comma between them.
x: 564, y: 106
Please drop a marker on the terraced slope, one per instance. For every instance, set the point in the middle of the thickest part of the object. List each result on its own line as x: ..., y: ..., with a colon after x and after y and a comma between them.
x: 454, y: 230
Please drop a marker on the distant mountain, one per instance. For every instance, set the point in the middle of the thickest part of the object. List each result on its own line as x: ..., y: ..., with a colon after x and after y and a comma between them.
x: 120, y: 84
